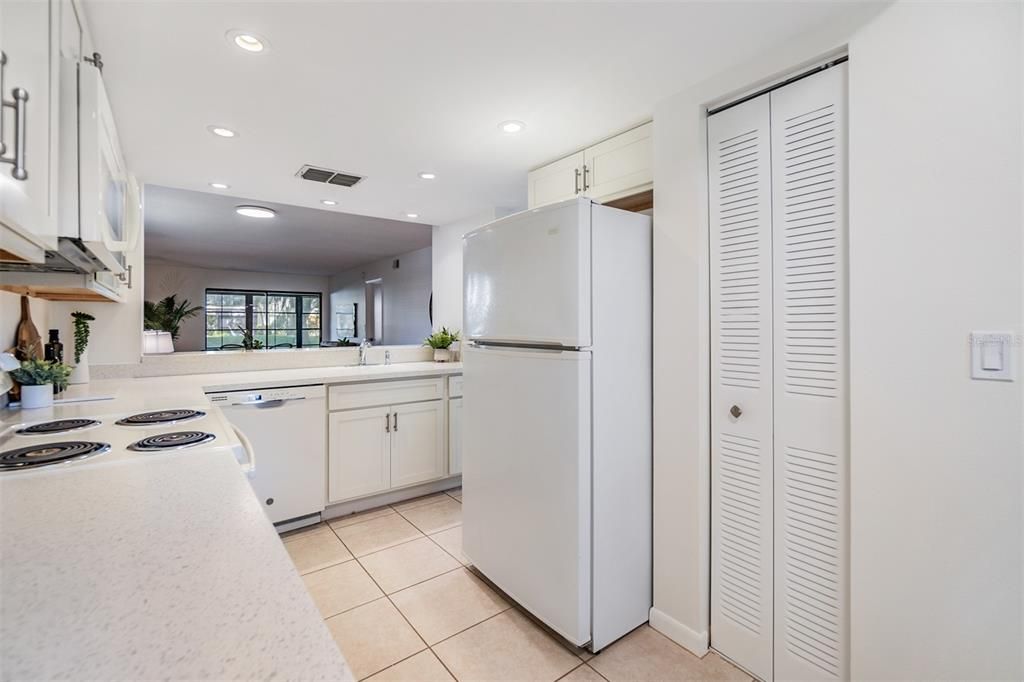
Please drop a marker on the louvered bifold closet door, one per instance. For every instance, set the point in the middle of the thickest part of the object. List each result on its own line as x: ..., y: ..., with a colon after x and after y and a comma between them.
x: 741, y: 396
x: 811, y: 374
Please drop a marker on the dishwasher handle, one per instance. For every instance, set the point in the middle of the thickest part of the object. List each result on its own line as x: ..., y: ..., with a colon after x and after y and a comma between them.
x: 250, y: 452
x: 275, y: 402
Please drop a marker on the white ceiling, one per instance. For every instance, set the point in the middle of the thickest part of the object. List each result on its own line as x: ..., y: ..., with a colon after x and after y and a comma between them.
x: 202, y: 229
x: 387, y: 90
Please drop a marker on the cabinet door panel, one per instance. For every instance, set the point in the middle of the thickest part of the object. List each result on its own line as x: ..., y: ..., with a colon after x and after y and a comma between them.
x: 29, y: 34
x: 618, y: 166
x: 359, y: 448
x: 556, y: 181
x: 455, y: 436
x: 417, y: 443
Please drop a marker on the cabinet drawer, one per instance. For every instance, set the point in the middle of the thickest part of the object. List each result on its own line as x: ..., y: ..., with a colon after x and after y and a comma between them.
x: 455, y: 386
x: 370, y: 394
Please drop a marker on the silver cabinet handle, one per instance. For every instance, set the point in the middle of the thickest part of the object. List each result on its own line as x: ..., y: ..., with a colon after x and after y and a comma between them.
x: 586, y: 171
x: 735, y: 411
x: 576, y: 181
x: 3, y: 68
x: 18, y: 159
x: 396, y: 421
x: 387, y: 423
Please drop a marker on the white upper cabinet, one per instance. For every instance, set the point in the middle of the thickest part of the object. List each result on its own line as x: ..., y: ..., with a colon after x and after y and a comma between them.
x: 617, y: 167
x: 556, y: 181
x: 620, y: 166
x: 29, y: 77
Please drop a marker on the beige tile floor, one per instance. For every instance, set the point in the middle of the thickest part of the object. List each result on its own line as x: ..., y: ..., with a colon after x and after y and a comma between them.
x: 396, y: 592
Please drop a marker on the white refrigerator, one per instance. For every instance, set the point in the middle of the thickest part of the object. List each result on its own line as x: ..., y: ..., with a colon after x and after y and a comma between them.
x: 557, y: 415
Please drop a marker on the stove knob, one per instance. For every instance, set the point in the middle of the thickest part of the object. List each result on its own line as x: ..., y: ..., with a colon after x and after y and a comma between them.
x: 270, y: 501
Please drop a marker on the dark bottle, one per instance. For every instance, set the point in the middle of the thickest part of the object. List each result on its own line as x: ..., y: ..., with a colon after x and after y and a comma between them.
x: 55, y: 349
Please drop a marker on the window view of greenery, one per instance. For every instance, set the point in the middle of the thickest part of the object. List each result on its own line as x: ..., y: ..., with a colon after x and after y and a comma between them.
x: 274, y: 319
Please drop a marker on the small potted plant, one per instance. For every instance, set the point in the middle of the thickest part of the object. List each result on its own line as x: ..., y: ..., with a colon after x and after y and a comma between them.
x: 249, y: 342
x: 38, y: 379
x: 442, y: 342
x: 80, y: 374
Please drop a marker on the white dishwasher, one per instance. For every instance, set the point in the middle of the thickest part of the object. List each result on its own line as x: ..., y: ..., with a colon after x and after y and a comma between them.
x: 286, y: 429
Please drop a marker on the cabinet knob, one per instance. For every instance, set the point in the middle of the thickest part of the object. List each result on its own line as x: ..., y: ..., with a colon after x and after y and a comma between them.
x: 735, y: 411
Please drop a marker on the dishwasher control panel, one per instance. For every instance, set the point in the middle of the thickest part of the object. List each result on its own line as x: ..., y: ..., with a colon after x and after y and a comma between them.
x: 264, y: 396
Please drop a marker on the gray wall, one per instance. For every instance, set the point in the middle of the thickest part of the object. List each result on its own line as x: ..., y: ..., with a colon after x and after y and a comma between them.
x: 406, y: 296
x: 165, y: 277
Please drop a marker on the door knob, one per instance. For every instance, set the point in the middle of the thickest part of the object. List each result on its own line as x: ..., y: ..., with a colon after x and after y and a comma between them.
x: 735, y: 411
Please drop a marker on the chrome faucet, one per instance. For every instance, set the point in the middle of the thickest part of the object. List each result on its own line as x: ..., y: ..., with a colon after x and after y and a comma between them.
x: 363, y: 348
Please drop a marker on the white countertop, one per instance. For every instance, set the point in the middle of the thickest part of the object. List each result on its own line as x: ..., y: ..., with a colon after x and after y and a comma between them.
x: 154, y: 393
x: 162, y: 567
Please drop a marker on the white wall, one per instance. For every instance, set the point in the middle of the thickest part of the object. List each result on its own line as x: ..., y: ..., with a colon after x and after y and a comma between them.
x: 447, y: 267
x: 935, y: 214
x: 406, y: 293
x: 164, y: 278
x: 935, y: 252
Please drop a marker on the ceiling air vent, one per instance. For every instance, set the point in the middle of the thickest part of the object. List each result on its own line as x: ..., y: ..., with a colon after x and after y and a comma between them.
x: 331, y: 177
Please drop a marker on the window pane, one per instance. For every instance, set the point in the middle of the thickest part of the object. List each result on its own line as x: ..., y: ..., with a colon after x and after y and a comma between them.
x: 213, y: 340
x: 259, y: 302
x: 211, y: 320
x: 311, y: 338
x: 281, y: 304
x: 311, y: 321
x: 310, y: 304
x: 231, y: 337
x: 279, y: 337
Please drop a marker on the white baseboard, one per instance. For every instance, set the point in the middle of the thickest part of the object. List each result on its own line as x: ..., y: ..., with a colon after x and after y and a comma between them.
x: 686, y: 637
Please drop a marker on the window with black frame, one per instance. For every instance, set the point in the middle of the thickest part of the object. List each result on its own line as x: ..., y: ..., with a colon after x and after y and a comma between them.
x: 274, y: 319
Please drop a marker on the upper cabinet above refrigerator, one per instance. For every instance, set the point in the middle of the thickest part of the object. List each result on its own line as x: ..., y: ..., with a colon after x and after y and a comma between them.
x: 29, y: 76
x: 618, y: 167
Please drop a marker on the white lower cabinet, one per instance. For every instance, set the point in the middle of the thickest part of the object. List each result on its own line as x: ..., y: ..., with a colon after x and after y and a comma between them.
x: 359, y: 461
x: 375, y: 449
x: 417, y: 443
x: 455, y: 436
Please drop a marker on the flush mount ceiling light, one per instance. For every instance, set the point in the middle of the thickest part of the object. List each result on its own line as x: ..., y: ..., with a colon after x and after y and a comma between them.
x: 512, y: 127
x: 412, y: 215
x: 428, y: 176
x: 248, y: 41
x: 328, y: 202
x: 221, y: 131
x: 219, y: 185
x: 255, y: 211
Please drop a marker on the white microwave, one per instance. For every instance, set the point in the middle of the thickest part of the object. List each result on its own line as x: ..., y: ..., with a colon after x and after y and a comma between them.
x: 108, y: 222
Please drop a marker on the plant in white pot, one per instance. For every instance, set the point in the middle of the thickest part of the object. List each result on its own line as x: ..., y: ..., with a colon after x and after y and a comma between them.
x: 80, y: 375
x: 38, y: 379
x: 442, y: 342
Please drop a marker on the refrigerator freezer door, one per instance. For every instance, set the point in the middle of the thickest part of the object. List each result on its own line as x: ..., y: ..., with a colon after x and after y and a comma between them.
x: 526, y: 479
x: 527, y: 277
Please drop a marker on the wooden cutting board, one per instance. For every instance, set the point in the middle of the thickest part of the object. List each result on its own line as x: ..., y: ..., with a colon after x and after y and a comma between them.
x: 27, y: 342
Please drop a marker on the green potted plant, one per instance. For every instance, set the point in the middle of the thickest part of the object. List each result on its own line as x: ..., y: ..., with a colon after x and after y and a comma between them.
x: 38, y: 379
x: 442, y: 342
x: 249, y: 342
x: 167, y: 314
x: 80, y: 374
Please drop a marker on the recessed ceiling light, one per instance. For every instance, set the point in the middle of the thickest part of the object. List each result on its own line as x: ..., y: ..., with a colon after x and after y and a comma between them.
x: 248, y: 41
x: 219, y: 185
x: 255, y: 211
x: 221, y: 131
x: 428, y: 176
x: 412, y: 215
x: 512, y: 127
x: 328, y: 202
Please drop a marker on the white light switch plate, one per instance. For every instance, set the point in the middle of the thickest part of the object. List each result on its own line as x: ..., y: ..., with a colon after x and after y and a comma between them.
x: 992, y: 355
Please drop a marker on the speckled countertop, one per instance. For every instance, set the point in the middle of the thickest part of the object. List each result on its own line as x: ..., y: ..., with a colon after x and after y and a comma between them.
x: 158, y: 568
